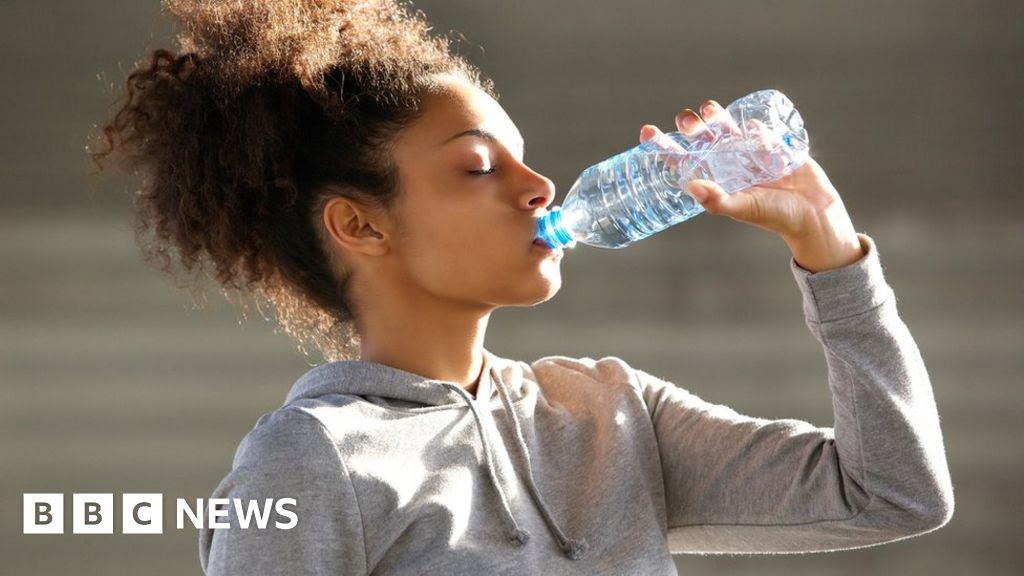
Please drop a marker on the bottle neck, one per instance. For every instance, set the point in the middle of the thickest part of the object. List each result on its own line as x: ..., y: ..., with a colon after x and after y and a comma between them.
x: 552, y: 230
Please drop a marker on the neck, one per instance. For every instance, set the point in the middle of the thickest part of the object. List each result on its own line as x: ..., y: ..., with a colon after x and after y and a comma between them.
x: 435, y: 340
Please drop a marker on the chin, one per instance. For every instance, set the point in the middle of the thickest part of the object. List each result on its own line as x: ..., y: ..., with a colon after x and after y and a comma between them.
x: 527, y: 289
x: 542, y: 291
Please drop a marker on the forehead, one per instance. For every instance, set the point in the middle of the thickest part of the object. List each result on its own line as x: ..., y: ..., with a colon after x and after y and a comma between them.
x: 456, y: 106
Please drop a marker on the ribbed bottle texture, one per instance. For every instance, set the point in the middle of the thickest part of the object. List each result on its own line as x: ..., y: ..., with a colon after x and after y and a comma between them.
x: 643, y: 190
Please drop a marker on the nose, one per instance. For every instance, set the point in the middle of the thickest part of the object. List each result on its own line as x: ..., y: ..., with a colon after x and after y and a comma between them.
x: 538, y: 191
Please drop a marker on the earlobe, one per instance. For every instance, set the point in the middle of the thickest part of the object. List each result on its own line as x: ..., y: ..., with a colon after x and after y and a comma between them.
x: 354, y: 227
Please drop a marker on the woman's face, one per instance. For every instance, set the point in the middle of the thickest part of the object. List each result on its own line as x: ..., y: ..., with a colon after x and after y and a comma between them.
x: 468, y: 206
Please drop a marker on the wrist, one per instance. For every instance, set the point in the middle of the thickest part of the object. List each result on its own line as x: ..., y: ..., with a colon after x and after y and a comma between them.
x: 827, y: 251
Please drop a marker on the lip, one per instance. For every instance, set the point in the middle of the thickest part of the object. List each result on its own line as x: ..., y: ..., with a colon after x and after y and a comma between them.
x: 542, y: 246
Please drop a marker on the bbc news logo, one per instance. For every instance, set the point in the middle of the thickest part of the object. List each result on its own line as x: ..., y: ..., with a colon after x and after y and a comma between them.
x: 143, y: 513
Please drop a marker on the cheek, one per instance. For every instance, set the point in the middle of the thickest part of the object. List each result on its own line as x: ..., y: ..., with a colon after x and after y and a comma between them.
x: 462, y: 263
x: 470, y: 263
x: 439, y: 254
x: 474, y: 252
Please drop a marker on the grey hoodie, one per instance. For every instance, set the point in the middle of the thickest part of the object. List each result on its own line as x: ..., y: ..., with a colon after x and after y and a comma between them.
x: 583, y: 466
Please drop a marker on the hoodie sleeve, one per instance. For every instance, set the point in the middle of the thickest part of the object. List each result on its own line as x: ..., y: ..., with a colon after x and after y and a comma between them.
x: 288, y: 454
x: 737, y: 484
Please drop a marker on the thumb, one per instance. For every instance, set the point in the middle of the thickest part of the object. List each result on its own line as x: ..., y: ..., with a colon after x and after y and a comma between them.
x: 715, y: 200
x: 708, y: 193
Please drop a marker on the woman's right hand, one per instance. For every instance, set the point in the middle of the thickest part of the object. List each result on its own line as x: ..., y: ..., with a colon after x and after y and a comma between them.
x: 803, y: 207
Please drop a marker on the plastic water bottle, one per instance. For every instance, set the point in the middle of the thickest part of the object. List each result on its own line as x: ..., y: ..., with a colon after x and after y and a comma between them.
x: 643, y: 190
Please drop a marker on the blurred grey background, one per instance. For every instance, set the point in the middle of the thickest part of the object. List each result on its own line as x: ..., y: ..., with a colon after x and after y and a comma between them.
x: 111, y: 381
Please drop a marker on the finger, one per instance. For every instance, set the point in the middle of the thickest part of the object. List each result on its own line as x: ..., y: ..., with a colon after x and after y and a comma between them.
x: 648, y: 131
x: 713, y: 198
x: 654, y: 140
x: 697, y: 133
x: 690, y: 124
x: 718, y: 118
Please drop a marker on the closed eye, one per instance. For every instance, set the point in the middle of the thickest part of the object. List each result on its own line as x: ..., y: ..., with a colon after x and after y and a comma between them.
x: 482, y: 172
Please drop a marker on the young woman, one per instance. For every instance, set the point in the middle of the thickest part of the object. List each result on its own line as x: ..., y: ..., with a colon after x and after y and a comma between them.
x: 336, y: 160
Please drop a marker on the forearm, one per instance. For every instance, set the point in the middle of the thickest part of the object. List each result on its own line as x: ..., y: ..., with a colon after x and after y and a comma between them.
x: 740, y: 484
x: 886, y: 422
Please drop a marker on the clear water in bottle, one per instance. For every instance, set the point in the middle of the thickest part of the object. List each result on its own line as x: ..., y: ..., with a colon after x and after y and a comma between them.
x: 643, y: 190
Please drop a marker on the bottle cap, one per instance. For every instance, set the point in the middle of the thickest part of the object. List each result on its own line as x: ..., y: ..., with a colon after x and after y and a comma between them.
x: 551, y: 229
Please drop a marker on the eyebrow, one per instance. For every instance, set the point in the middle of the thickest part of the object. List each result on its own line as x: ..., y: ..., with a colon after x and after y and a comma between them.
x: 479, y: 133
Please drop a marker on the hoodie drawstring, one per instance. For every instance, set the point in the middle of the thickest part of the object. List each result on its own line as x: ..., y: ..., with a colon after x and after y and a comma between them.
x: 573, y: 548
x: 516, y: 534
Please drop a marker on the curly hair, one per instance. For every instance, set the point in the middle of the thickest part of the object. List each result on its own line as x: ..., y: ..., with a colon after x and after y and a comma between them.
x: 268, y: 109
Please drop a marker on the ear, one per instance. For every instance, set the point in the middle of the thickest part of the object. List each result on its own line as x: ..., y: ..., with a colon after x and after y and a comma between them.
x: 355, y: 227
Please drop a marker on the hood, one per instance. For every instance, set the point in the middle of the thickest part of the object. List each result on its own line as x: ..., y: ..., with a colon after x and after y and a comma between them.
x: 388, y: 386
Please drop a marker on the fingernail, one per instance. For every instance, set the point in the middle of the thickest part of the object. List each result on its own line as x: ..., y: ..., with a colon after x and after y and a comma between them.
x: 699, y: 193
x: 708, y: 107
x: 689, y: 120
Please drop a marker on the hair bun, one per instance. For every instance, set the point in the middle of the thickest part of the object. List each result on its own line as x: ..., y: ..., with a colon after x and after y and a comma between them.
x: 245, y: 42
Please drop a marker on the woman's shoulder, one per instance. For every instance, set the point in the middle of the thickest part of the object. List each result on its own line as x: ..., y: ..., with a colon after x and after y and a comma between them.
x: 592, y: 367
x: 290, y: 437
x: 585, y: 371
